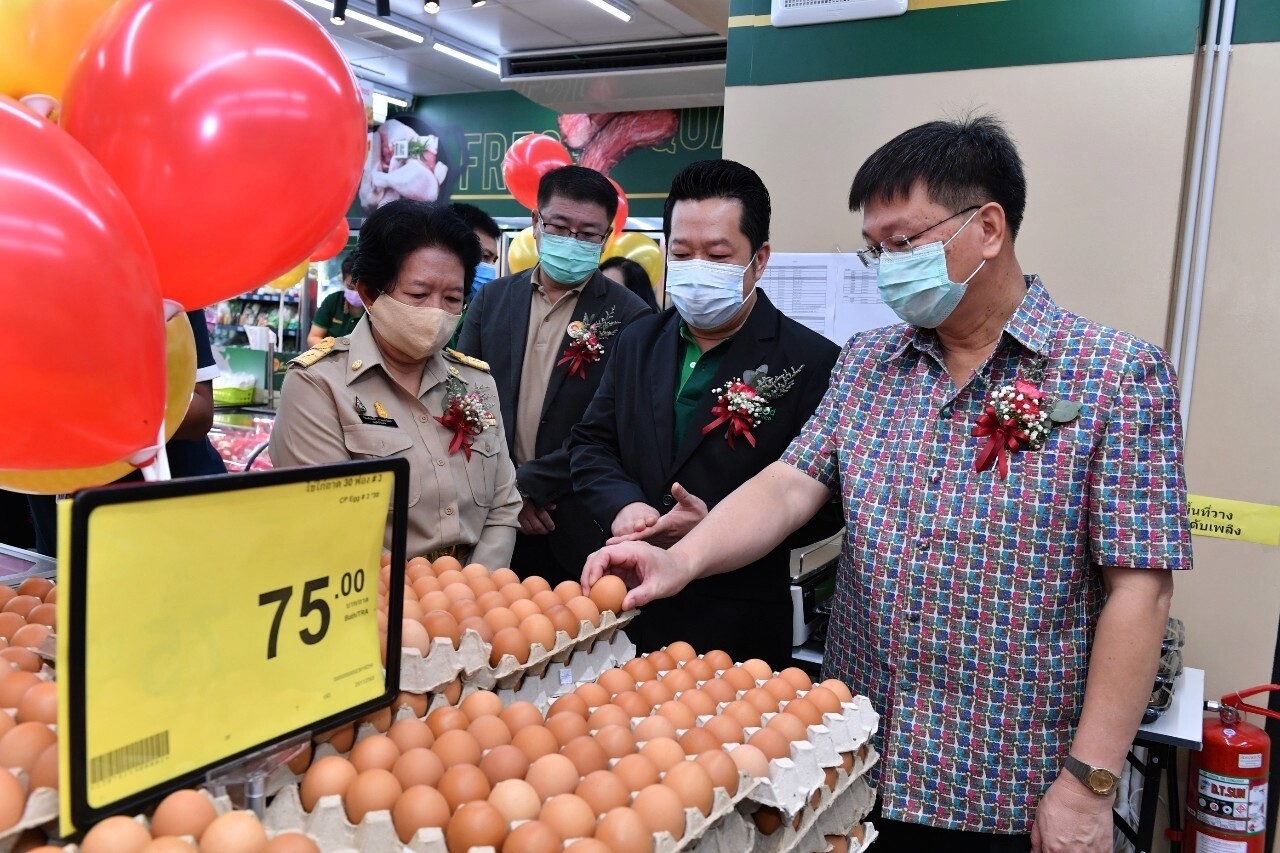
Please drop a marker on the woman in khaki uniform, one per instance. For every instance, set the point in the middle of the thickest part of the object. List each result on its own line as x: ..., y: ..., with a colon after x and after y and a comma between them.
x: 390, y: 388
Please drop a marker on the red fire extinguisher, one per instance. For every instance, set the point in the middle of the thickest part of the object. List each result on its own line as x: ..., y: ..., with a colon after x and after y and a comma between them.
x: 1227, y: 781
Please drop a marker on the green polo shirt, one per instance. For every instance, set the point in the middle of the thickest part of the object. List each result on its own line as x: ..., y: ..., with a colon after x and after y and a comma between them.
x: 334, y: 317
x: 697, y: 371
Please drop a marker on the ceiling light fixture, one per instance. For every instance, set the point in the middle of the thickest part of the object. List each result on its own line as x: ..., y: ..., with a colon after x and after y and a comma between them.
x: 339, y: 12
x: 353, y: 14
x: 431, y: 7
x: 620, y: 10
x: 476, y: 4
x: 471, y: 56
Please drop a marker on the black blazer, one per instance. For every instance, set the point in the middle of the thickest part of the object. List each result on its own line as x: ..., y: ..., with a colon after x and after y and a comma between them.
x: 495, y: 330
x: 625, y: 451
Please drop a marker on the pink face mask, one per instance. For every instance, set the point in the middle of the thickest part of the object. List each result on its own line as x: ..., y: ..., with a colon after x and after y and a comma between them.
x: 353, y: 298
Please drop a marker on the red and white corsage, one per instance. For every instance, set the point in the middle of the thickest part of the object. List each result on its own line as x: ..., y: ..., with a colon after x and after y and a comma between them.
x: 745, y: 403
x: 1017, y: 418
x: 467, y: 415
x: 586, y: 345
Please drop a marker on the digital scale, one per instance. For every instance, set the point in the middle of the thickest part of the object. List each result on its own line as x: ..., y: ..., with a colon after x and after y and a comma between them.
x: 813, y: 581
x: 16, y: 565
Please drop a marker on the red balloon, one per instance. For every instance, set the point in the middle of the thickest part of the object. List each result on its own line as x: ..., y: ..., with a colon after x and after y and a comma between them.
x: 527, y: 160
x: 83, y: 350
x: 234, y: 128
x: 332, y: 245
x: 624, y: 209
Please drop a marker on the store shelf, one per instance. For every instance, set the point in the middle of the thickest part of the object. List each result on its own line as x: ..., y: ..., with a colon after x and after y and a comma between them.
x: 263, y: 297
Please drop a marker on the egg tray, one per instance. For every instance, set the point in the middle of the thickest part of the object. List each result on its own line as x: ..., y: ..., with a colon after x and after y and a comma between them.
x: 835, y: 813
x: 563, y: 676
x: 443, y: 663
x: 696, y: 825
x: 40, y: 810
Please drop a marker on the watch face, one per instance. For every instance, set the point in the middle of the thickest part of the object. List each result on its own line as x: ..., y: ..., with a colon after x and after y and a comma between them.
x: 1102, y: 781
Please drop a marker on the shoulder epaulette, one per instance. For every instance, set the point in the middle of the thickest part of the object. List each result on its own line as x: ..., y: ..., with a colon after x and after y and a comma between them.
x: 454, y: 355
x: 314, y: 354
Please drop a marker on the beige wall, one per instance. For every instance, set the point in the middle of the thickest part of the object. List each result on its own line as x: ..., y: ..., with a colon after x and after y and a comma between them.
x: 1105, y: 147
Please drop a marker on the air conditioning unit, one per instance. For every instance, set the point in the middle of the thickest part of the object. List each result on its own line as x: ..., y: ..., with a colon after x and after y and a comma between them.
x: 795, y: 13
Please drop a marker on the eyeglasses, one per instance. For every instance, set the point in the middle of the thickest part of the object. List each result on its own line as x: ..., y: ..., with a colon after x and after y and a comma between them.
x: 870, y: 256
x: 561, y: 231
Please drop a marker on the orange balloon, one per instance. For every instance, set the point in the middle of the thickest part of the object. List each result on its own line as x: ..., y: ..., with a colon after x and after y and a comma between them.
x: 180, y: 379
x: 522, y: 254
x: 39, y: 39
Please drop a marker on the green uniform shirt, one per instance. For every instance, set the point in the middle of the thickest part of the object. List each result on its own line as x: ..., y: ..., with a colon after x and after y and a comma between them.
x: 697, y: 370
x: 334, y: 318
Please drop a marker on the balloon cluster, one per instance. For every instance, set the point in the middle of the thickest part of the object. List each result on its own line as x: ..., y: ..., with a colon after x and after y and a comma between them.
x: 188, y: 174
x: 525, y: 163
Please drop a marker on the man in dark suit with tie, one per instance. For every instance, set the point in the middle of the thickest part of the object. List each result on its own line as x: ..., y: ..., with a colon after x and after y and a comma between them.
x: 696, y: 401
x: 548, y: 335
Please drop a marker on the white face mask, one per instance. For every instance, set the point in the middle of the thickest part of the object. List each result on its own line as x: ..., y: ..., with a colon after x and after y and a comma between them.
x: 418, y: 332
x: 706, y: 294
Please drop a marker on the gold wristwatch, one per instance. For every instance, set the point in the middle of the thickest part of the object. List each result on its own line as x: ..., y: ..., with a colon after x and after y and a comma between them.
x: 1100, y: 780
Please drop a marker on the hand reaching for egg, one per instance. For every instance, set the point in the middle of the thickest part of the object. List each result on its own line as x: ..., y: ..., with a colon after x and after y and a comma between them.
x: 670, y: 528
x: 649, y: 573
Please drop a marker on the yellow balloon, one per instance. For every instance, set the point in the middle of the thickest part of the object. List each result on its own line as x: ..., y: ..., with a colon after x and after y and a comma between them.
x: 642, y: 249
x: 522, y: 254
x: 180, y: 379
x: 292, y: 277
x: 40, y: 40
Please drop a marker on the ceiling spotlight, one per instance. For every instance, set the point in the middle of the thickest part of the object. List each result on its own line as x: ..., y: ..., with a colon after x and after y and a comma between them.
x: 431, y: 7
x: 339, y: 12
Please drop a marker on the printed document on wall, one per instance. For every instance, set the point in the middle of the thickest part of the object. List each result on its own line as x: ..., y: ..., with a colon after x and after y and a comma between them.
x: 832, y: 294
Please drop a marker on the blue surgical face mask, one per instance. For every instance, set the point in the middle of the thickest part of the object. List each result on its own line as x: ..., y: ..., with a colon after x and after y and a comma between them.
x: 916, y: 284
x: 485, y: 273
x: 568, y: 261
x: 706, y: 294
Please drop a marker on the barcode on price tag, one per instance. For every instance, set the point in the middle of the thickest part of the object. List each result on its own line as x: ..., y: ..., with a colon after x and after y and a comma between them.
x: 129, y: 757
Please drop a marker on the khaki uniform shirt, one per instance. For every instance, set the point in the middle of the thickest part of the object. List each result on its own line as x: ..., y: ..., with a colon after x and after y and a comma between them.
x: 547, y: 326
x: 332, y: 411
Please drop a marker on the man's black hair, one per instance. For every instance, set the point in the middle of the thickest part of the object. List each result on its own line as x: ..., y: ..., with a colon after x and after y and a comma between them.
x: 477, y: 219
x: 728, y: 180
x: 577, y: 183
x: 398, y: 229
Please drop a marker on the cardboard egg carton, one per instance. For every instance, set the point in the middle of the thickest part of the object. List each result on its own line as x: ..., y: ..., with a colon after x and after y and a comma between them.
x: 699, y: 827
x: 562, y: 677
x: 41, y: 809
x: 443, y: 663
x: 833, y: 813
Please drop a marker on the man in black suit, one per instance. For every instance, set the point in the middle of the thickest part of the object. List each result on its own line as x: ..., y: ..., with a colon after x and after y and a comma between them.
x: 548, y: 334
x: 668, y: 434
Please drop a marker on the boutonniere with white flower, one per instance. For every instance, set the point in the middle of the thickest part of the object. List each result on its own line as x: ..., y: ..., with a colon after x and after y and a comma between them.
x: 466, y: 414
x: 586, y: 345
x: 746, y: 402
x: 1018, y: 417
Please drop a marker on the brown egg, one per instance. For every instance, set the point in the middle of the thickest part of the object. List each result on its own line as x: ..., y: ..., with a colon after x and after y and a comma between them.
x: 780, y: 689
x: 759, y: 670
x: 546, y: 599
x: 412, y: 610
x: 13, y: 799
x: 807, y: 711
x: 726, y: 729
x: 330, y: 775
x: 789, y: 726
x: 419, y: 807
x: 450, y: 577
x: 692, y: 782
x: 479, y: 626
x: 414, y: 636
x: 584, y: 610
x: 603, y: 791
x: 22, y: 744
x: 624, y: 831
x: 678, y: 713
x: 718, y: 659
x: 457, y: 747
x: 535, y: 742
x: 10, y: 623
x: 44, y: 614
x: 721, y: 769
x: 566, y: 590
x: 587, y: 845
x: 641, y: 669
x: 586, y: 754
x: 516, y: 799
x: 464, y: 783
x: 535, y: 584
x: 608, y: 593
x: 569, y: 815
x: 797, y: 678
x: 593, y: 694
x: 39, y: 587
x: 566, y: 727
x: 476, y: 825
x: 764, y: 701
x: 831, y: 777
x: 466, y: 611
x: 608, y: 715
x: 509, y: 641
x: 699, y: 702
x: 372, y: 791
x: 563, y: 620
x: 472, y: 571
x: 234, y: 832
x: 750, y: 760
x: 839, y: 844
x: 424, y: 585
x: 631, y: 704
x: 551, y: 775
x: 39, y: 704
x: 655, y: 727
x: 117, y: 835
x: 678, y: 680
x: 681, y: 651
x: 514, y: 592
x: 696, y: 741
x: 453, y: 691
x: 44, y: 773
x: 520, y: 715
x: 445, y: 564
x: 375, y: 751
x: 767, y: 819
x: 6, y: 722
x: 440, y: 624
x: 462, y: 591
x: 490, y: 732
x: 14, y: 685
x: 661, y: 809
x: 482, y: 586
x: 434, y: 601
x: 415, y: 702
x: 571, y: 703
x: 291, y: 842
x: 419, y: 766
x: 410, y: 734
x: 341, y: 738
x: 846, y: 761
x: 635, y: 771
x: 538, y: 630
x: 699, y: 669
x: 664, y: 752
x: 21, y: 605
x: 616, y: 681
x: 380, y: 719
x: 744, y: 712
x: 838, y: 687
x: 738, y: 678
x: 616, y: 741
x: 168, y: 844
x: 183, y: 813
x: 491, y: 601
x: 771, y: 743
x: 663, y: 661
x: 655, y: 693
x: 534, y: 837
x: 504, y: 762
x: 524, y: 608
x: 499, y: 618
x: 824, y: 700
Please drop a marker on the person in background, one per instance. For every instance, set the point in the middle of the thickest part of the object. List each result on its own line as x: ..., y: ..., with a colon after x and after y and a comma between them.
x: 392, y: 388
x: 650, y: 456
x: 1015, y: 500
x: 489, y: 234
x: 549, y: 332
x: 339, y: 311
x: 189, y: 451
x: 632, y: 276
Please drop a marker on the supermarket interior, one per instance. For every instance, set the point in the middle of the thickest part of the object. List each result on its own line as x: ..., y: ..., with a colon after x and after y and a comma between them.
x: 639, y: 425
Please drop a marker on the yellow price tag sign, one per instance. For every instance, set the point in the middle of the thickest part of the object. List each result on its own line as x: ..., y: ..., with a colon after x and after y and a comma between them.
x: 202, y: 620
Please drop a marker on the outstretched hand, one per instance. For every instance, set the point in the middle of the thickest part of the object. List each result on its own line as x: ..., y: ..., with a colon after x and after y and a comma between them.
x: 672, y: 527
x: 650, y: 573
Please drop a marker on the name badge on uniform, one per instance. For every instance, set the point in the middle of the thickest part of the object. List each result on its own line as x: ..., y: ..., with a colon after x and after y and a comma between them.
x: 380, y: 417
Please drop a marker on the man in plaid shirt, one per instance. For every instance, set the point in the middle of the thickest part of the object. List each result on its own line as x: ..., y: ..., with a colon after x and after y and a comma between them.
x: 1014, y: 500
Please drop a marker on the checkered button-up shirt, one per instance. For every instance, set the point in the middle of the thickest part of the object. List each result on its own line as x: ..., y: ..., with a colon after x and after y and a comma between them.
x: 965, y: 604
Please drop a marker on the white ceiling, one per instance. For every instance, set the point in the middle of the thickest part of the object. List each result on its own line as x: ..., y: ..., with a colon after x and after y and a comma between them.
x: 499, y: 27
